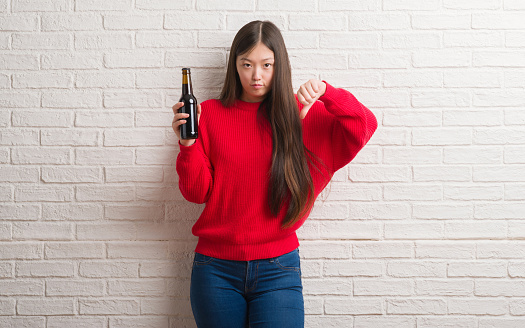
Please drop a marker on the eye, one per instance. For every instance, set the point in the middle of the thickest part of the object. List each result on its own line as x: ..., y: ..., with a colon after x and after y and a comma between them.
x: 267, y: 65
x: 246, y: 65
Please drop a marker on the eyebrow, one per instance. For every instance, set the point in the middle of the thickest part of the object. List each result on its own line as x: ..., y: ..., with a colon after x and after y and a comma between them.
x: 265, y: 59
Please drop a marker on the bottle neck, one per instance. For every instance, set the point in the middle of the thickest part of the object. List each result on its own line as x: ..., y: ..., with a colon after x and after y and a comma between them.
x: 187, y: 88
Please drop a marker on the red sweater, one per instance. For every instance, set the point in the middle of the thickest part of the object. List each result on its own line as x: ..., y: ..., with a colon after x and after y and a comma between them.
x: 228, y: 169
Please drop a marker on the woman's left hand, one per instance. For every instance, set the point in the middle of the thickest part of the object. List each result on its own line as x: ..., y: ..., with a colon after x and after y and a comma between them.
x: 308, y: 94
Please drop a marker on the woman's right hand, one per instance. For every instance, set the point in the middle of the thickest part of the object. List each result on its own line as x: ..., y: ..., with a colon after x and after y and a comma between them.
x: 179, y: 119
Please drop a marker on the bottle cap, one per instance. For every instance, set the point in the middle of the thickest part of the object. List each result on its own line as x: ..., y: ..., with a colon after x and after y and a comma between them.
x: 186, y: 69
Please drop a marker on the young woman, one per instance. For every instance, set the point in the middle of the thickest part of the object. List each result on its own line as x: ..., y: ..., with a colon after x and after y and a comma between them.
x: 262, y: 157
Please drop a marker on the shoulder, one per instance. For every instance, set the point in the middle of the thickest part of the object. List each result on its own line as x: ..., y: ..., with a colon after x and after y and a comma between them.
x: 211, y: 103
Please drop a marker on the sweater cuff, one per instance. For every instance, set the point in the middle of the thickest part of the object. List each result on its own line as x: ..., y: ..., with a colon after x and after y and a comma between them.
x: 336, y: 100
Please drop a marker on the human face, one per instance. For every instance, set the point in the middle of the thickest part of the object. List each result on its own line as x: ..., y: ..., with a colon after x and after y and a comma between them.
x: 255, y: 69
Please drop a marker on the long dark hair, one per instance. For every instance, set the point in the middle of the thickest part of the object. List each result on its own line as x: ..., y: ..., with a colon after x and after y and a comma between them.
x: 290, y: 178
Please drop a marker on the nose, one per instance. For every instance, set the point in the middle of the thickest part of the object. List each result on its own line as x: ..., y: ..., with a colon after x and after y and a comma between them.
x: 256, y: 76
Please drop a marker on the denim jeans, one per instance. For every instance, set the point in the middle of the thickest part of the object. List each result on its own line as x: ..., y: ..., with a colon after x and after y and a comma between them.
x: 264, y: 293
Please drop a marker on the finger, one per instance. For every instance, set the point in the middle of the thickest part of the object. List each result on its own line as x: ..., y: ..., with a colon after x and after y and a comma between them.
x: 310, y: 90
x: 177, y: 106
x: 180, y: 116
x: 315, y: 85
x: 301, y: 98
x: 305, y: 93
x: 198, y: 113
x: 304, y: 111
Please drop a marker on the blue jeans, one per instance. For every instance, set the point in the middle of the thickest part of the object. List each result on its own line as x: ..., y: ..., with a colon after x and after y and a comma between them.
x: 238, y: 294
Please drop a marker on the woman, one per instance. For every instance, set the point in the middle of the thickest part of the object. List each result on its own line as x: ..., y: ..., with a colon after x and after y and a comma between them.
x: 262, y: 157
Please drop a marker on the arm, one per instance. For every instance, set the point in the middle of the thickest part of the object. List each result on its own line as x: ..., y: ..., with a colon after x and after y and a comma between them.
x: 353, y: 124
x: 195, y: 173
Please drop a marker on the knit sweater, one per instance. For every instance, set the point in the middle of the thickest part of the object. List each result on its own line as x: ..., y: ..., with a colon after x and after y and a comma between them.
x: 228, y: 169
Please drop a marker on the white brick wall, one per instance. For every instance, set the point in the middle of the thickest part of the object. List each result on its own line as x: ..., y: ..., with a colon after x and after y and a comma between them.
x: 424, y: 229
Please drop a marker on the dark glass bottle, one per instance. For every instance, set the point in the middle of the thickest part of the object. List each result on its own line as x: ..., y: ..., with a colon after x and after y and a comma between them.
x: 188, y: 130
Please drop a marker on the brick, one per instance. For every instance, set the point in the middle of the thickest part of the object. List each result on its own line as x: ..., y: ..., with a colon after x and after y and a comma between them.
x: 378, y: 211
x: 501, y: 322
x: 515, y: 39
x: 349, y: 230
x: 19, y: 99
x: 376, y: 60
x: 23, y: 322
x: 104, y: 80
x: 133, y: 22
x: 475, y: 230
x: 473, y: 39
x: 137, y: 250
x: 170, y: 306
x: 192, y: 21
x: 338, y: 40
x: 392, y: 99
x: 417, y: 40
x: 45, y: 307
x: 494, y: 288
x: 483, y: 4
x: 514, y: 117
x: 71, y: 22
x: 135, y: 174
x: 45, y: 269
x: 514, y: 155
x: 235, y: 21
x: 516, y: 230
x: 410, y: 5
x: 109, y: 307
x: 516, y: 269
x: 148, y: 212
x: 7, y: 307
x: 19, y: 62
x: 108, y: 269
x: 409, y: 155
x: 408, y: 118
x: 139, y: 322
x: 419, y: 230
x: 77, y: 322
x: 21, y: 288
x: 71, y: 174
x: 383, y: 249
x: 94, y: 5
x: 319, y: 22
x: 441, y: 98
x: 368, y: 173
x: 69, y: 137
x: 104, y: 156
x: 517, y: 307
x: 447, y: 322
x: 477, y: 269
x: 449, y: 287
x: 42, y: 231
x: 181, y: 39
x: 354, y: 5
x: 352, y: 269
x: 327, y: 287
x: 144, y: 287
x: 418, y: 268
x: 41, y: 41
x: 499, y: 211
x: 37, y: 193
x: 182, y: 269
x: 443, y: 211
x: 74, y: 250
x: 74, y: 288
x: 501, y: 250
x: 71, y: 61
x: 352, y: 79
x: 5, y: 231
x: 21, y: 251
x: 18, y: 174
x: 163, y: 4
x: 6, y: 271
x: 441, y: 21
x: 19, y: 23
x: 472, y: 118
x: 75, y: 99
x: 195, y: 59
x: 41, y: 155
x: 497, y: 20
x: 235, y: 5
x: 412, y: 192
x: 441, y: 173
x: 383, y: 321
x: 127, y: 100
x: 445, y: 250
x: 514, y: 192
x: 412, y: 79
x: 73, y: 212
x: 105, y: 193
x: 441, y: 137
x: 473, y: 154
x: 514, y: 79
x: 377, y: 21
x: 442, y: 58
x: 39, y: 5
x: 135, y: 137
x: 473, y: 192
x: 133, y: 59
x: 42, y: 119
x: 385, y: 287
x: 325, y: 250
x: 416, y: 306
x: 368, y: 155
x: 103, y: 41
x: 352, y: 306
x: 104, y: 119
x: 508, y: 173
x: 354, y: 192
x: 106, y: 231
x: 498, y: 59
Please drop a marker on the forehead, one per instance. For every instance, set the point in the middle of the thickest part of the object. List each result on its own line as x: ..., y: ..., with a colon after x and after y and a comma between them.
x: 259, y: 52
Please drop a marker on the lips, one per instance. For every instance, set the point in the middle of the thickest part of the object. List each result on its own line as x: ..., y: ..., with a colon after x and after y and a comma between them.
x: 257, y: 86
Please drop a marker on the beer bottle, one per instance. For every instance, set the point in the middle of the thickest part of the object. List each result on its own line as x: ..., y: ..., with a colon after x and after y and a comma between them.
x: 188, y: 130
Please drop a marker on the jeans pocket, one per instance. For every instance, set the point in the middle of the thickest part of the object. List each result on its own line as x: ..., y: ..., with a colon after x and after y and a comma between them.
x: 289, y: 261
x: 201, y: 259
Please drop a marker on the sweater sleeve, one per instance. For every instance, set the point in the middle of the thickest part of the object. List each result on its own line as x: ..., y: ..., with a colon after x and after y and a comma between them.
x: 195, y: 173
x: 353, y: 126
